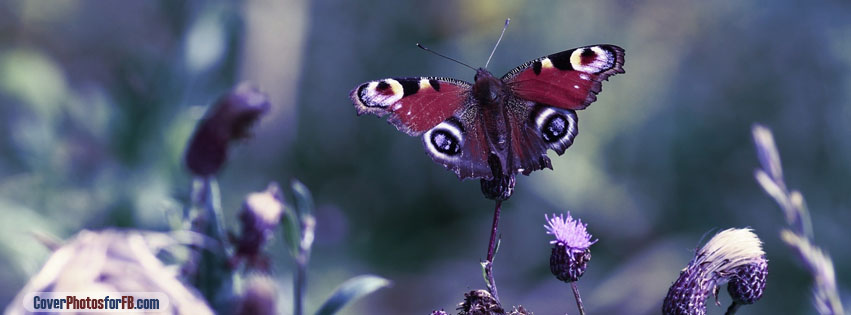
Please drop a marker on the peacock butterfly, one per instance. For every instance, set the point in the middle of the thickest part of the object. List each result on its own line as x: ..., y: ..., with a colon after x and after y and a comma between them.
x: 495, y: 127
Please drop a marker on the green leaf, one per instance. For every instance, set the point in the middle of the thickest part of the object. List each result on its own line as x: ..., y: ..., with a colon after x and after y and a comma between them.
x: 303, y: 198
x: 351, y: 290
x: 291, y: 228
x: 484, y: 264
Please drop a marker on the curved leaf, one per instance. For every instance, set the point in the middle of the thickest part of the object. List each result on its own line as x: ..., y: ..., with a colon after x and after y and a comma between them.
x: 351, y: 290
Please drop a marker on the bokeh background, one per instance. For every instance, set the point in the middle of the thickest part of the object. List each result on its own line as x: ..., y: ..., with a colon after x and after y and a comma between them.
x: 98, y: 98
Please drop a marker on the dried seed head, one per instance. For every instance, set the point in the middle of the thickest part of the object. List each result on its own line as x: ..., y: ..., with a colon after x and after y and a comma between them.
x: 719, y: 261
x: 520, y: 310
x: 479, y: 302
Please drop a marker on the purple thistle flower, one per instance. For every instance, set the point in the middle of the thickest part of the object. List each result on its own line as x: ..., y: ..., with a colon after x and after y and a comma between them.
x: 570, y: 254
x: 568, y: 232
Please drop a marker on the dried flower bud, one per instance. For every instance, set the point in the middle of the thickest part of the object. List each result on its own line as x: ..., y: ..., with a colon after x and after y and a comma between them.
x: 501, y: 186
x: 260, y: 215
x: 260, y: 296
x: 229, y: 119
x: 480, y: 302
x: 719, y: 261
x: 748, y: 283
x: 520, y: 310
x: 571, y: 252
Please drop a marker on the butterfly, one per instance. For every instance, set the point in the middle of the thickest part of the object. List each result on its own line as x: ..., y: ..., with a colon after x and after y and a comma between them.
x: 495, y: 127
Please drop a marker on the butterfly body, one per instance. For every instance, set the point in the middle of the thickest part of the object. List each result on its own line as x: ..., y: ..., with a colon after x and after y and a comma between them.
x: 495, y: 127
x: 490, y: 95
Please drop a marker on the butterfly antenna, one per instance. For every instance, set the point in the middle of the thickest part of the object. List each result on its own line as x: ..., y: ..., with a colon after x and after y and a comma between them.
x: 497, y: 42
x: 439, y: 54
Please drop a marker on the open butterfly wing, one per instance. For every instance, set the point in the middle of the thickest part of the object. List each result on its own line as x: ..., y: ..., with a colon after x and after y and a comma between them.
x: 459, y: 144
x: 415, y: 104
x: 570, y: 79
x: 535, y: 129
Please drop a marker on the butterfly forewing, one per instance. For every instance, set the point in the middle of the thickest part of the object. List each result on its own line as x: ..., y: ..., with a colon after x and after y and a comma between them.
x: 415, y: 104
x: 569, y: 79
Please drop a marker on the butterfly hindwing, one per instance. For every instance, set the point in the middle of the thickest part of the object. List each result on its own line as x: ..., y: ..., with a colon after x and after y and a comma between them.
x: 538, y: 127
x: 415, y: 104
x: 528, y: 150
x: 569, y: 79
x: 459, y: 144
x: 555, y: 127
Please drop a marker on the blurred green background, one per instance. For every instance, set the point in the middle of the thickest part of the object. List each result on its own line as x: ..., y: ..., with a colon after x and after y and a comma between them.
x: 98, y: 98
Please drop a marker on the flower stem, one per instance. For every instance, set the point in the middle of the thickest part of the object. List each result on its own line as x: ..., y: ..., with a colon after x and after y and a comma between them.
x: 300, y: 281
x: 492, y: 251
x: 207, y: 269
x: 578, y: 298
x: 213, y: 206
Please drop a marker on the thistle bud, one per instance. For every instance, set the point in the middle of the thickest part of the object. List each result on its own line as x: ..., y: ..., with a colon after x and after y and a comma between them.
x: 568, y: 265
x: 748, y: 282
x: 229, y: 119
x: 571, y: 253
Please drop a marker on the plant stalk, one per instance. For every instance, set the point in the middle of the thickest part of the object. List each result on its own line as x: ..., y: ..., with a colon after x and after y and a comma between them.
x: 300, y: 284
x: 578, y: 298
x: 733, y: 308
x: 492, y: 251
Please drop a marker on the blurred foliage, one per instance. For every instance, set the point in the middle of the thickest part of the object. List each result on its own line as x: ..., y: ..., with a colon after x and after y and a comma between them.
x: 98, y: 99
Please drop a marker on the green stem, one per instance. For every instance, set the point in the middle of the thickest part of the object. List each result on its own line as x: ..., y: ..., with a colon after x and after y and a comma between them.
x: 208, y: 269
x: 300, y: 285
